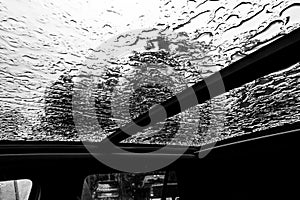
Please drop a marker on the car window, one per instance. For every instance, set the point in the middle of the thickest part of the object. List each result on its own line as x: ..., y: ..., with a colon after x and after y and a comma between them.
x: 15, y: 189
x: 44, y: 44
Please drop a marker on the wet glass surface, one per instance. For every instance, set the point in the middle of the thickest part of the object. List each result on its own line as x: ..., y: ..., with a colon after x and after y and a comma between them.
x: 43, y: 45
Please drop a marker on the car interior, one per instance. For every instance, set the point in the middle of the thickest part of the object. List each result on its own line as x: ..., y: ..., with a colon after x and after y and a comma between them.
x: 256, y: 161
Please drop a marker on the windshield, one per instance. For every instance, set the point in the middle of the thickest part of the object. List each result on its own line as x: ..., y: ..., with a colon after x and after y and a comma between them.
x: 44, y: 44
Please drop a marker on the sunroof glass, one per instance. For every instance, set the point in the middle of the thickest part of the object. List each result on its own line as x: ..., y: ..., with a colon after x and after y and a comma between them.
x: 268, y: 102
x: 44, y: 45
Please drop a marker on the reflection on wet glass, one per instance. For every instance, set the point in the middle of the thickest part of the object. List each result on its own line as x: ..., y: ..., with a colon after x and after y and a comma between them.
x: 44, y: 44
x: 128, y: 186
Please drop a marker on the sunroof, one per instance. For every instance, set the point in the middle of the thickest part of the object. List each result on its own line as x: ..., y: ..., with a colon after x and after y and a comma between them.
x: 44, y: 45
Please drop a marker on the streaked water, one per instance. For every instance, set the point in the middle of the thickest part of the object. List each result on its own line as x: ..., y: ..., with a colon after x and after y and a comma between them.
x: 43, y: 44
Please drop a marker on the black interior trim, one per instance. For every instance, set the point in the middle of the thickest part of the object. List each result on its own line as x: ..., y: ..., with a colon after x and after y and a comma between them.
x: 263, y: 166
